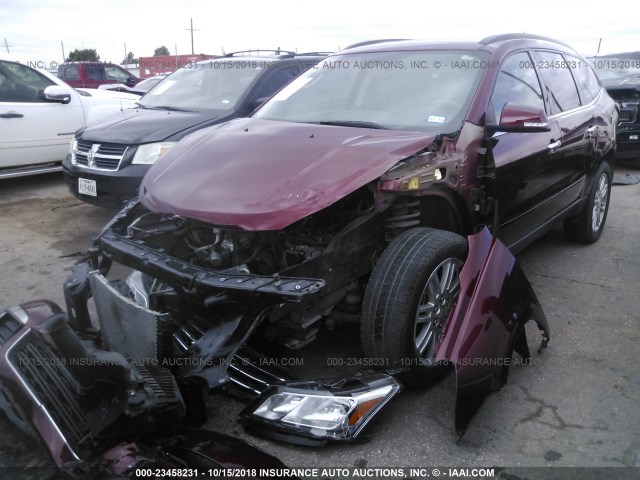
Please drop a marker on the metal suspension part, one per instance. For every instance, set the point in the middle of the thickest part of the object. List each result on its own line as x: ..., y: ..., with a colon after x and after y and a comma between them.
x: 403, y: 214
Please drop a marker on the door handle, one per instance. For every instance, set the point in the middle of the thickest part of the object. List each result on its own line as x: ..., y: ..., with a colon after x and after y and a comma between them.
x: 11, y: 115
x: 554, y: 145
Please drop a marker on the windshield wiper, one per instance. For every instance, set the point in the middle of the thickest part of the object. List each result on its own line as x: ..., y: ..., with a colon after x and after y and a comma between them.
x: 352, y: 123
x: 166, y: 107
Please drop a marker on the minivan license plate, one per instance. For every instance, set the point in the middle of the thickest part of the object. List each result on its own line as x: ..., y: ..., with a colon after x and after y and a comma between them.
x: 87, y: 187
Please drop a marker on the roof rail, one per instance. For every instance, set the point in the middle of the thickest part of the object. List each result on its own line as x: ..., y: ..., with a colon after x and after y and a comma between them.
x: 518, y: 36
x: 313, y: 53
x: 372, y: 42
x: 258, y: 52
x: 305, y: 54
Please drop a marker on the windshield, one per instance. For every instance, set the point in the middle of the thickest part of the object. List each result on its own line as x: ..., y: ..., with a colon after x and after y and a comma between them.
x: 611, y: 68
x: 214, y: 85
x: 148, y: 83
x: 413, y: 90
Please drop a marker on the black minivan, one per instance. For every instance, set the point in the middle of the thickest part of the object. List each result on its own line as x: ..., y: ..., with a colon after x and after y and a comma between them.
x: 109, y: 158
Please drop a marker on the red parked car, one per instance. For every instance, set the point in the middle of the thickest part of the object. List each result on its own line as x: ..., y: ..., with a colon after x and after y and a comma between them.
x: 94, y: 74
x: 385, y: 187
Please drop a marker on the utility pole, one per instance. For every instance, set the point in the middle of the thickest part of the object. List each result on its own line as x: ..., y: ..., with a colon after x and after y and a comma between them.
x: 64, y: 59
x: 192, y: 30
x: 126, y: 62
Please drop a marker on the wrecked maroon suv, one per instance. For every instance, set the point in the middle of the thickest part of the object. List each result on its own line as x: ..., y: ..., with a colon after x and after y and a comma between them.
x: 386, y: 187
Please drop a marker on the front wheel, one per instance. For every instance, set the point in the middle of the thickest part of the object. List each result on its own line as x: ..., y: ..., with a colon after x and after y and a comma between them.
x: 409, y: 299
x: 587, y: 226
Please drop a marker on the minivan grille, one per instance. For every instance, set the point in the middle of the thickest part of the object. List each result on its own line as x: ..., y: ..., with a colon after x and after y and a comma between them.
x: 99, y: 156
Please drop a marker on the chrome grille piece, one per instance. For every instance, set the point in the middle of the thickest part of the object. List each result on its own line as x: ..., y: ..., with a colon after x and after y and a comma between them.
x: 98, y: 156
x: 51, y: 384
x: 246, y: 372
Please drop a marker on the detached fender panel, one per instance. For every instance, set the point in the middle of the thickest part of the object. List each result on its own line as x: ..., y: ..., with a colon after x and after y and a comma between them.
x: 487, y: 325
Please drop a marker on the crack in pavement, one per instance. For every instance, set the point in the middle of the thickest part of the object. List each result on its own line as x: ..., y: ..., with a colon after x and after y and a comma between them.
x: 579, y: 282
x: 540, y: 409
x: 68, y: 206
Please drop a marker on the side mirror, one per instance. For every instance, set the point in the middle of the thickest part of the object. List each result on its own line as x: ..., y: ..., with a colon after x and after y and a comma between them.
x: 521, y: 118
x: 56, y: 93
x: 131, y: 81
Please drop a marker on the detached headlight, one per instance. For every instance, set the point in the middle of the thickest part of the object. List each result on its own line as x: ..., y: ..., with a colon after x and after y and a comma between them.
x: 321, y: 411
x: 149, y: 153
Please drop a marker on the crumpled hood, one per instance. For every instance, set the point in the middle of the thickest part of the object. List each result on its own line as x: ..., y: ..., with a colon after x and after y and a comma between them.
x: 265, y: 175
x: 137, y: 125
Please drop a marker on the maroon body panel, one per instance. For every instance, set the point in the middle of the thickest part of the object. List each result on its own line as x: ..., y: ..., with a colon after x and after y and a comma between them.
x: 40, y: 310
x: 265, y: 175
x: 496, y: 301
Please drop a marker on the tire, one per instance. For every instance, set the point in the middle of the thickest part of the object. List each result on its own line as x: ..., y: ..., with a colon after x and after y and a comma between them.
x: 587, y: 226
x: 402, y: 285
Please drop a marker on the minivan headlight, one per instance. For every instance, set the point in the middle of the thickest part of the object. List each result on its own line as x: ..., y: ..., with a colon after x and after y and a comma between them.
x: 149, y: 153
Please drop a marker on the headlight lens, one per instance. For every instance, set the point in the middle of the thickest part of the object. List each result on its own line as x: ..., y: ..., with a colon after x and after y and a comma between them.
x: 326, y: 412
x: 73, y: 146
x: 322, y: 411
x: 149, y: 153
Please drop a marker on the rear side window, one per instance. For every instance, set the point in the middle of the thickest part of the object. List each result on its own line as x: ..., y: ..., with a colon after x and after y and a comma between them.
x: 95, y: 72
x: 518, y: 83
x: 560, y: 89
x: 587, y: 82
x: 68, y: 72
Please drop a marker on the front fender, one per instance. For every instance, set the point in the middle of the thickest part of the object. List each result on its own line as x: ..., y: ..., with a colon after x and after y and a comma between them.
x: 496, y: 301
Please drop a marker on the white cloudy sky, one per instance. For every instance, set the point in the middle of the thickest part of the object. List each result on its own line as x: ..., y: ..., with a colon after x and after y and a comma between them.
x: 34, y: 28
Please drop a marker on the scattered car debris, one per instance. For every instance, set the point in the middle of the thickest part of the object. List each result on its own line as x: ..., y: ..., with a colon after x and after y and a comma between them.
x: 626, y: 179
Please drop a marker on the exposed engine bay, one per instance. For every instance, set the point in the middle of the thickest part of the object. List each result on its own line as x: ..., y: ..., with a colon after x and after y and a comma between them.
x: 297, y: 251
x: 279, y: 268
